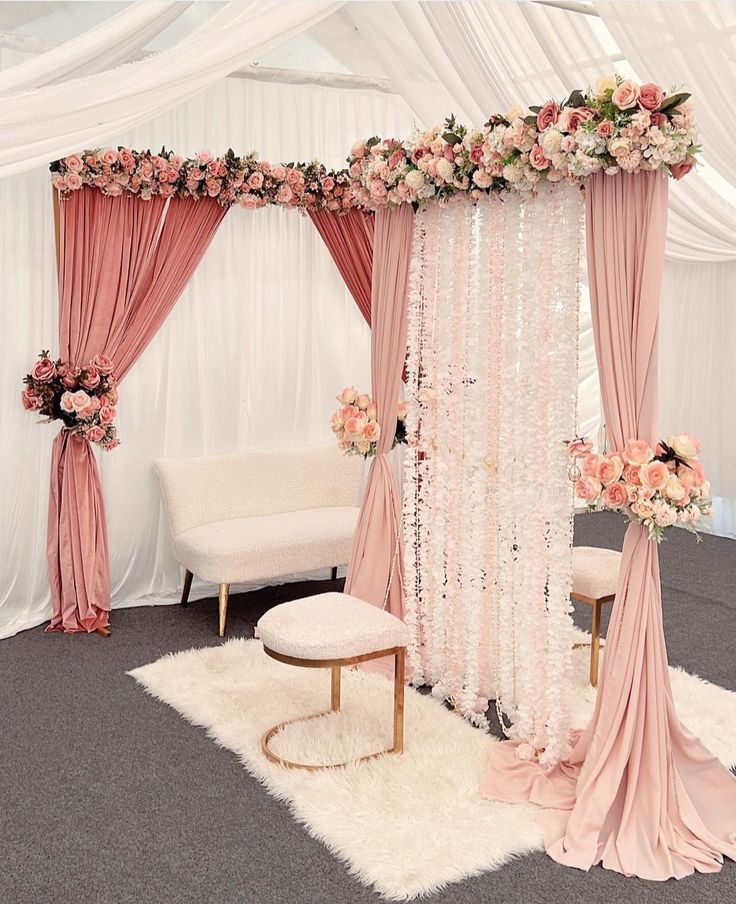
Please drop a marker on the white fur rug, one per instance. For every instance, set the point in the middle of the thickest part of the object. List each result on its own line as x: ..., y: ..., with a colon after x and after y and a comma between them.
x: 404, y: 825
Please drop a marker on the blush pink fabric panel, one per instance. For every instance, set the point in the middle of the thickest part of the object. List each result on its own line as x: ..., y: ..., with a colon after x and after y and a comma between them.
x: 379, y: 523
x: 123, y: 263
x: 349, y: 239
x: 638, y: 793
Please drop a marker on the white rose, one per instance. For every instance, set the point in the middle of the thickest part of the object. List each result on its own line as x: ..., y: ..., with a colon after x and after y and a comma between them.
x: 516, y: 112
x: 603, y: 86
x: 675, y: 490
x: 684, y: 445
x: 643, y: 509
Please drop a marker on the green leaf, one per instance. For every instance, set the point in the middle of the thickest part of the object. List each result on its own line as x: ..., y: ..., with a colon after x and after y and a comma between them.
x: 535, y: 109
x: 670, y: 103
x: 451, y: 138
x: 530, y: 120
x: 576, y: 99
x: 372, y: 142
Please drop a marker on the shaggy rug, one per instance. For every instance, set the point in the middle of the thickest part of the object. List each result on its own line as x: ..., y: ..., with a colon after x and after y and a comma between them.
x: 404, y: 825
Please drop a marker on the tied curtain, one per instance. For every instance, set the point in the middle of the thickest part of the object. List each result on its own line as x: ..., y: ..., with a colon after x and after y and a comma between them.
x: 374, y: 572
x: 638, y: 793
x: 349, y: 239
x: 123, y: 262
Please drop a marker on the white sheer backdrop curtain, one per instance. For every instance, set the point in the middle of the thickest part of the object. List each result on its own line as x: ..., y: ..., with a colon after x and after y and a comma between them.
x: 492, y: 374
x: 252, y: 355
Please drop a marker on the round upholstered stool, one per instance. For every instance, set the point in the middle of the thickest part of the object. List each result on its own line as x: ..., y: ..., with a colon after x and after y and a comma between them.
x: 594, y: 581
x: 329, y: 631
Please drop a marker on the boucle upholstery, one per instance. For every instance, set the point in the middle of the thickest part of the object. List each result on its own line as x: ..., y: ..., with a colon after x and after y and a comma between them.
x: 202, y: 490
x: 256, y: 515
x: 330, y: 626
x: 594, y: 571
x: 253, y: 549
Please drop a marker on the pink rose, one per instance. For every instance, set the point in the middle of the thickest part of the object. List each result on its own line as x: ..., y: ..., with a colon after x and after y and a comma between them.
x: 177, y: 161
x: 249, y: 202
x: 91, y: 160
x: 107, y: 414
x: 577, y: 116
x: 650, y: 96
x: 31, y: 400
x: 146, y: 170
x: 293, y: 177
x: 363, y: 401
x: 95, y: 434
x: 102, y: 363
x: 395, y: 159
x: 448, y: 153
x: 418, y: 153
x: 655, y: 475
x: 579, y: 447
x: 658, y: 119
x: 354, y: 426
x: 279, y: 173
x: 590, y: 464
x: 372, y: 411
x: 70, y: 380
x: 127, y: 159
x: 91, y: 377
x: 587, y: 488
x: 609, y: 470
x: 203, y: 157
x: 476, y: 154
x: 112, y: 395
x: 626, y: 95
x: 284, y: 195
x: 73, y: 181
x: 113, y: 190
x: 637, y: 452
x: 538, y: 159
x: 213, y: 168
x: 59, y: 182
x: 615, y: 496
x: 359, y: 149
x: 328, y: 184
x: 74, y: 163
x: 679, y: 170
x: 80, y: 400
x: 371, y: 431
x: 605, y: 128
x: 348, y: 395
x: 255, y: 181
x: 67, y: 402
x: 113, y: 444
x: 109, y: 156
x: 548, y: 115
x: 44, y: 370
x: 378, y: 190
x: 632, y: 475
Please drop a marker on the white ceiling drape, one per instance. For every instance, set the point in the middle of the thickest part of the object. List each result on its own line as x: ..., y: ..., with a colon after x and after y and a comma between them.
x: 57, y: 119
x: 107, y: 45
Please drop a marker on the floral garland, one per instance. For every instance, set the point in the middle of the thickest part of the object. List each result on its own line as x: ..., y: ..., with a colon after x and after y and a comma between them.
x: 618, y: 126
x: 656, y: 487
x: 83, y: 398
x: 246, y: 181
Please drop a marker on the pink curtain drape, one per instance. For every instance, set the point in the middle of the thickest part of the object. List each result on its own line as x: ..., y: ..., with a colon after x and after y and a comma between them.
x: 638, y: 793
x: 349, y: 239
x: 123, y: 263
x: 375, y: 558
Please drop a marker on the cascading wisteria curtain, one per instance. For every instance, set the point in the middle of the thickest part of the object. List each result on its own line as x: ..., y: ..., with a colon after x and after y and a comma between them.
x: 492, y: 374
x: 122, y: 266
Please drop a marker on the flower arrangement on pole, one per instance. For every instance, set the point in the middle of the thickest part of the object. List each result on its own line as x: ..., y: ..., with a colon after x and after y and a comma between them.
x: 356, y: 426
x: 656, y: 487
x: 84, y: 399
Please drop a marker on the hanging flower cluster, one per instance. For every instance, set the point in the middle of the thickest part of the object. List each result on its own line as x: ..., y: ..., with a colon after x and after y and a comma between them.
x: 658, y: 488
x: 355, y: 424
x: 618, y: 126
x: 83, y: 398
x: 246, y: 181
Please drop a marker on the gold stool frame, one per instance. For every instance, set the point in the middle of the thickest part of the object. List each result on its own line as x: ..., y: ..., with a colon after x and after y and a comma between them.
x: 335, y: 665
x: 595, y: 630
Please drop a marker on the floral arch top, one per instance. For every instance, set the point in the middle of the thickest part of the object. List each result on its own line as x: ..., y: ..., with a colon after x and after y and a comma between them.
x: 617, y: 126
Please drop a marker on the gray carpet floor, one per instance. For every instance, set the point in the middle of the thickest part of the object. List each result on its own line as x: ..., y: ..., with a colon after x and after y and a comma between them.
x: 109, y: 797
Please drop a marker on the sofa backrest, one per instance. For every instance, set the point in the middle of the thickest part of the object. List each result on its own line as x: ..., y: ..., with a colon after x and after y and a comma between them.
x: 199, y: 491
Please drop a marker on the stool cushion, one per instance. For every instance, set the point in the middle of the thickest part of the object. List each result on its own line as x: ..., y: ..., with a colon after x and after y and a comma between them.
x: 330, y: 626
x: 594, y: 571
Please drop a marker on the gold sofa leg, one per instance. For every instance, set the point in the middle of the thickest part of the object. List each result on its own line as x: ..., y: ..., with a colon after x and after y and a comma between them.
x: 399, y: 670
x: 224, y: 590
x: 595, y: 643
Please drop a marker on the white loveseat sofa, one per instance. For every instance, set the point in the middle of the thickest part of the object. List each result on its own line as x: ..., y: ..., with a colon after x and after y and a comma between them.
x: 255, y: 516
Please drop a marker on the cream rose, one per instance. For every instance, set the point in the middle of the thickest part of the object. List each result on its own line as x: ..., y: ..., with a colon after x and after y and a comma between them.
x: 638, y: 452
x: 626, y: 95
x: 684, y: 445
x: 675, y: 490
x: 604, y: 86
x: 655, y: 475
